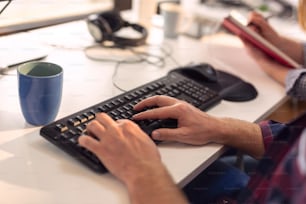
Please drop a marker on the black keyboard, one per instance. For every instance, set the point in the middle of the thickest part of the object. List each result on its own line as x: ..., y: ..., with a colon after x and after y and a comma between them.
x: 64, y: 132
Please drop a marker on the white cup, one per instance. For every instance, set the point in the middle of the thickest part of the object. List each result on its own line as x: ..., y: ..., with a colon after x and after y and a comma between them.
x: 171, y: 15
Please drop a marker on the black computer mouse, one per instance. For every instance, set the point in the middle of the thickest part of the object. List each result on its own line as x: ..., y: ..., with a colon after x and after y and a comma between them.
x: 229, y: 86
x: 200, y: 72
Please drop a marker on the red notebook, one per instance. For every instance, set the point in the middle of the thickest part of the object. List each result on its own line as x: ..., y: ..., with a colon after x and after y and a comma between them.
x: 233, y: 25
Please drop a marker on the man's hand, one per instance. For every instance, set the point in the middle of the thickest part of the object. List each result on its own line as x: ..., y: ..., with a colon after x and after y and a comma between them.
x: 194, y: 126
x: 121, y: 146
x: 130, y: 155
x: 198, y: 128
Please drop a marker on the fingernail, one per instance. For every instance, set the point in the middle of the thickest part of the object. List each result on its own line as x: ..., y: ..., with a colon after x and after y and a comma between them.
x: 155, y: 134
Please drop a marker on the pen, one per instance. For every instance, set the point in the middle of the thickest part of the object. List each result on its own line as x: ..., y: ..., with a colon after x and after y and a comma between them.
x: 266, y: 19
x: 269, y: 16
x: 6, y: 68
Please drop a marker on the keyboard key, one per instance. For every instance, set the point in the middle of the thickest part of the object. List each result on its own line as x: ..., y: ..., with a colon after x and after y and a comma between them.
x: 89, y: 115
x: 61, y: 127
x: 82, y: 118
x: 64, y: 136
x: 74, y: 121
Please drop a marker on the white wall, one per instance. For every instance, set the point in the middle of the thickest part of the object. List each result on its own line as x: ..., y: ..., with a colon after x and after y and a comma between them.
x: 23, y: 13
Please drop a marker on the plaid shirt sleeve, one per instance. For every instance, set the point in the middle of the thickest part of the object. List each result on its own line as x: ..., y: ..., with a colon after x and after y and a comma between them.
x: 296, y: 81
x: 269, y: 129
x: 281, y: 174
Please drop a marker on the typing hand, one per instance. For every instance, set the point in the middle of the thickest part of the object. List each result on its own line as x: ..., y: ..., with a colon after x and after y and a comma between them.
x: 121, y: 146
x: 193, y: 126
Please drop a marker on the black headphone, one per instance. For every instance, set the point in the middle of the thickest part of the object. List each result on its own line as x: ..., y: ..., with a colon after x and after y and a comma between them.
x: 104, y: 26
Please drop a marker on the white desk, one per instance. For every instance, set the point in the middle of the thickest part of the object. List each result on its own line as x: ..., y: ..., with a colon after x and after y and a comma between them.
x: 33, y: 171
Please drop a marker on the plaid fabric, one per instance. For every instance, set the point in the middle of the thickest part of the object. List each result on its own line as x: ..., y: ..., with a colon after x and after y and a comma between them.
x: 296, y: 84
x: 296, y: 80
x: 280, y: 176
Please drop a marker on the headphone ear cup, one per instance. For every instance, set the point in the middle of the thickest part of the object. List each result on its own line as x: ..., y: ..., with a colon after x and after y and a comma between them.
x: 95, y: 28
x: 113, y: 19
x: 102, y: 27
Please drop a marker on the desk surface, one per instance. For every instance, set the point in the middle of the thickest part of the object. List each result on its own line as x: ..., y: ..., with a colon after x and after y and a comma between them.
x: 33, y: 171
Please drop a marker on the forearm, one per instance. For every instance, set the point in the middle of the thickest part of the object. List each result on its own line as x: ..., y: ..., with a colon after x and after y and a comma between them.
x: 274, y: 70
x: 242, y: 135
x: 153, y: 187
x: 293, y: 48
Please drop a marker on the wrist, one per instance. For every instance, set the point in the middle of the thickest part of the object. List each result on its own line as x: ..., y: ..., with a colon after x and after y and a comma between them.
x: 231, y: 128
x: 224, y: 131
x: 154, y: 185
x: 144, y: 175
x: 242, y: 135
x: 219, y: 131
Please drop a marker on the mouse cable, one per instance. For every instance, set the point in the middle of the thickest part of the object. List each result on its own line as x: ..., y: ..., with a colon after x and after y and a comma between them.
x: 114, y: 76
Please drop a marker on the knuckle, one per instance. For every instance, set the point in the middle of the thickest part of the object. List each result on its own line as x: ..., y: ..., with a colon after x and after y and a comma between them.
x: 92, y: 124
x: 182, y: 107
x: 125, y: 123
x: 181, y: 134
x: 158, y: 98
x: 101, y: 115
x: 184, y: 133
x: 86, y: 142
x: 98, y: 115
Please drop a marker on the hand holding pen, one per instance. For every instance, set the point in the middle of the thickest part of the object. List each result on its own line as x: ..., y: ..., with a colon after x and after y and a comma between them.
x: 251, y: 23
x: 289, y: 46
x: 261, y: 25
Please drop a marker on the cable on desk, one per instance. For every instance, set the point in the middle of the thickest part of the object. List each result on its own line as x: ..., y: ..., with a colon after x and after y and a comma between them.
x: 138, y: 55
x: 114, y: 75
x: 135, y: 54
x: 160, y: 60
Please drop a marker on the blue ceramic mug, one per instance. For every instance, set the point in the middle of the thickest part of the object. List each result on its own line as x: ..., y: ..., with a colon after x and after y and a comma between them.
x: 40, y: 91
